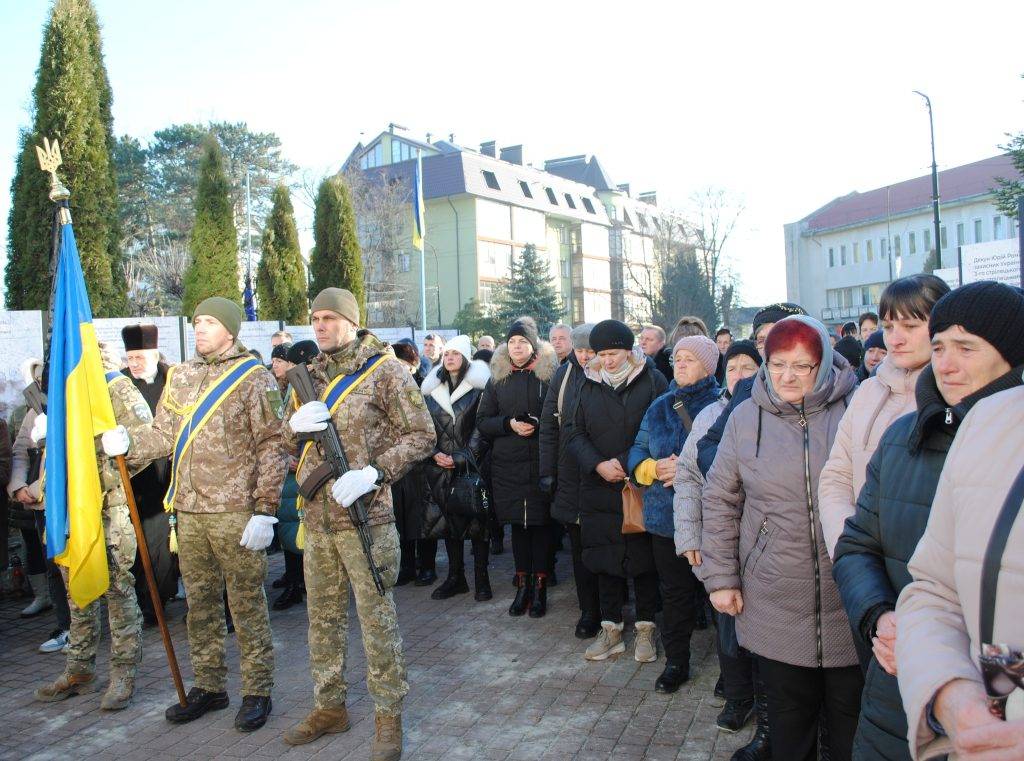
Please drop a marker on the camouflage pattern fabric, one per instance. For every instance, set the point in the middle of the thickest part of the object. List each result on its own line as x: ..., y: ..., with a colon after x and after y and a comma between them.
x: 122, y: 606
x: 384, y: 423
x: 237, y: 462
x: 333, y: 563
x: 210, y: 557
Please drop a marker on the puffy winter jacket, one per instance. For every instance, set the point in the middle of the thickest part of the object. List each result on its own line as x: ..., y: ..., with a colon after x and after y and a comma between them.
x: 878, y: 401
x: 707, y: 447
x: 689, y: 483
x: 761, y: 529
x: 555, y: 461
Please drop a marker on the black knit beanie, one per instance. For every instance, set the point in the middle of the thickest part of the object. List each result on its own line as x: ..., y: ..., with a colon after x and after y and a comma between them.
x: 994, y: 311
x: 776, y: 312
x: 527, y: 328
x: 280, y: 351
x: 875, y: 341
x: 611, y: 334
x: 743, y: 347
x: 303, y: 352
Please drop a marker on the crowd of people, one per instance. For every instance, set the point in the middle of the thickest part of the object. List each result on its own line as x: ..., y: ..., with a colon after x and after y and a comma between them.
x: 840, y: 505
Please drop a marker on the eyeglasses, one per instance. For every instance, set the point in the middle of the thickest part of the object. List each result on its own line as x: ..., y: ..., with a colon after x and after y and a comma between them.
x: 1002, y: 670
x: 799, y: 370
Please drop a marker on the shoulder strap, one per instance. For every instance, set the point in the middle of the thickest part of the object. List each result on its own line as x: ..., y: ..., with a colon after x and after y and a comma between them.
x: 994, y: 556
x: 561, y: 389
x: 684, y: 415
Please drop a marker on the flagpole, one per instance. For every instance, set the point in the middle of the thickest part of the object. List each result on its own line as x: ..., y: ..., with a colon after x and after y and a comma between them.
x: 423, y: 243
x: 49, y: 160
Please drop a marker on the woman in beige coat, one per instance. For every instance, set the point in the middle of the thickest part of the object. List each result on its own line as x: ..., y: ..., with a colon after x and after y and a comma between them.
x: 905, y: 306
x: 938, y: 615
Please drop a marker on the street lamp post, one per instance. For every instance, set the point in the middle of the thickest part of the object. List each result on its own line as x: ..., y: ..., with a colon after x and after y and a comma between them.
x: 935, y: 181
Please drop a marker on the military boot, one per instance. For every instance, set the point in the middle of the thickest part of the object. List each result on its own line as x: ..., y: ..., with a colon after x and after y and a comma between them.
x: 66, y: 686
x: 387, y: 743
x: 319, y: 722
x: 119, y: 692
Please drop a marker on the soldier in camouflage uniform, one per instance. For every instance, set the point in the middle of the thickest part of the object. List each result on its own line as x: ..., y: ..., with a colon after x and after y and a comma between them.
x: 385, y: 429
x: 79, y: 677
x: 224, y: 498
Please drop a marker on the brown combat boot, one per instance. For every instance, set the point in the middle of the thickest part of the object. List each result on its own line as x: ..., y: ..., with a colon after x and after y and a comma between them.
x: 66, y: 686
x: 387, y: 744
x: 319, y: 722
x: 119, y: 692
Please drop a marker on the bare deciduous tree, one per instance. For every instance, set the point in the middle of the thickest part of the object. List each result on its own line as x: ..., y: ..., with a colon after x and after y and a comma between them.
x: 156, y: 277
x: 711, y: 219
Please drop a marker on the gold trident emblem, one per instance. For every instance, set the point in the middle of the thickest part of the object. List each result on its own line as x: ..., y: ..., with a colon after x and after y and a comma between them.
x: 49, y: 159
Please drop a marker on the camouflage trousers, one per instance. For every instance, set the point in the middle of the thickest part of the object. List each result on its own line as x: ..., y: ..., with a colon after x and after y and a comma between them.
x: 211, y: 558
x: 334, y: 562
x: 122, y: 606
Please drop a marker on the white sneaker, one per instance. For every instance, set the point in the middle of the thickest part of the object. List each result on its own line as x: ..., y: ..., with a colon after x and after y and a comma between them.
x: 180, y: 594
x: 58, y: 642
x: 608, y: 643
x: 37, y: 606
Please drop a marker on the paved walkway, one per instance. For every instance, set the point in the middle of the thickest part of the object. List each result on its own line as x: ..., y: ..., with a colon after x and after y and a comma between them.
x: 483, y: 686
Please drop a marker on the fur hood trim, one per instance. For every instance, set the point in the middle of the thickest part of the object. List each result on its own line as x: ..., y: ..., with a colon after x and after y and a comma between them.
x: 476, y: 377
x: 547, y: 363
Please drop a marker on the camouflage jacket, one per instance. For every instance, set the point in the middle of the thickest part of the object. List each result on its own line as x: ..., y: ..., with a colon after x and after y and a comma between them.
x: 237, y: 462
x: 131, y: 411
x: 384, y: 423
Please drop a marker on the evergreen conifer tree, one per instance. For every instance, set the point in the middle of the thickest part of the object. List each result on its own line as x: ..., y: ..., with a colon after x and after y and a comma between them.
x: 214, y: 243
x: 281, y: 276
x: 337, y: 259
x: 71, y: 102
x: 530, y: 291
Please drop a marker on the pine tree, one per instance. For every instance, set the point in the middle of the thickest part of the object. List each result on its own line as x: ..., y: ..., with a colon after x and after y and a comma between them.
x: 530, y: 291
x: 214, y: 243
x: 281, y: 276
x: 337, y: 260
x: 71, y: 101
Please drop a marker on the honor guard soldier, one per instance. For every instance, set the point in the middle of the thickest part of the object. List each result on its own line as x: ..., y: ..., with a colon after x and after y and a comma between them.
x: 132, y: 412
x: 372, y: 402
x: 219, y: 420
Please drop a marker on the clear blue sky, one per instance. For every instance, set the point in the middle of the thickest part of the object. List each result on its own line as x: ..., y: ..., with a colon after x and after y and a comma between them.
x: 788, y: 104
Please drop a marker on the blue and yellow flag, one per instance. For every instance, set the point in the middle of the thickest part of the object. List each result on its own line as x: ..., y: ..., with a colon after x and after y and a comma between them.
x: 418, y: 222
x: 78, y: 410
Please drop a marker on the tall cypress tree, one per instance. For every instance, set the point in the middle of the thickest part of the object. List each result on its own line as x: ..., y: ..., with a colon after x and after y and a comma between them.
x: 530, y: 291
x: 281, y: 276
x: 337, y: 259
x: 214, y: 243
x: 71, y: 102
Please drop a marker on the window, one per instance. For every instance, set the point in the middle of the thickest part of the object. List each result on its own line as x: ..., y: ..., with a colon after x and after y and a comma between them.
x: 997, y: 228
x: 564, y: 236
x: 897, y: 247
x: 865, y: 297
x: 856, y: 252
x: 373, y: 158
x: 403, y: 263
x: 491, y: 180
x: 569, y: 202
x: 942, y: 237
x: 643, y: 221
x: 869, y: 251
x: 978, y: 236
x: 626, y: 219
x: 486, y: 294
x: 927, y: 234
x: 401, y: 151
x: 842, y: 256
x: 960, y: 238
x: 912, y: 243
x: 565, y: 268
x: 588, y: 205
x: 551, y: 196
x: 831, y: 257
x: 883, y: 249
x: 525, y: 187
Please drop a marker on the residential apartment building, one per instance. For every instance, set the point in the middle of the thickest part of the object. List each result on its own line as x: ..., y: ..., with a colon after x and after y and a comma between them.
x: 482, y: 207
x: 840, y: 257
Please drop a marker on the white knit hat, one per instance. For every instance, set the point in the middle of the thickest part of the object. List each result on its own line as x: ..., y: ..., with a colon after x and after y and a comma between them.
x: 462, y: 345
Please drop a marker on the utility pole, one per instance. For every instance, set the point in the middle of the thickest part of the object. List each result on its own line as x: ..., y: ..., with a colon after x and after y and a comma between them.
x: 935, y: 181
x: 248, y: 226
x: 1020, y: 235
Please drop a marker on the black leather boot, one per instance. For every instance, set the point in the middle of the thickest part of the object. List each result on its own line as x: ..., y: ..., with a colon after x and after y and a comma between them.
x: 760, y: 746
x: 524, y: 591
x: 197, y: 702
x: 453, y: 585
x: 588, y: 626
x: 735, y: 714
x: 253, y: 713
x: 672, y: 678
x: 292, y: 595
x: 539, y: 604
x: 481, y: 585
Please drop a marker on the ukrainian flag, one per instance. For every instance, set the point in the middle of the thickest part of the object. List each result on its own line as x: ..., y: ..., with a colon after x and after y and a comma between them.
x: 418, y: 222
x: 78, y: 410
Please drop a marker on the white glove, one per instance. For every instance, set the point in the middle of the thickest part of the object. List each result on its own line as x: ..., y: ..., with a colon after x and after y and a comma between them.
x: 310, y: 417
x: 115, y: 441
x: 38, y: 432
x: 354, y: 484
x: 258, y: 533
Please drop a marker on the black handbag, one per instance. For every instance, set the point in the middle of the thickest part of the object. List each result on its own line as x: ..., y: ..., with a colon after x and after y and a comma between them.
x: 467, y: 493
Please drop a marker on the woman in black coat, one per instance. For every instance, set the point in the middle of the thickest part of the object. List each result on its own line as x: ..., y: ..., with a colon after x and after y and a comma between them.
x: 619, y: 388
x: 452, y: 391
x: 509, y: 418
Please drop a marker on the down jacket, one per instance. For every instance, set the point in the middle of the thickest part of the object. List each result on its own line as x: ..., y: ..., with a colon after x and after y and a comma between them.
x: 761, y: 531
x: 878, y: 401
x: 555, y: 461
x: 515, y: 460
x: 870, y: 560
x: 689, y: 483
x: 938, y: 614
x: 604, y: 427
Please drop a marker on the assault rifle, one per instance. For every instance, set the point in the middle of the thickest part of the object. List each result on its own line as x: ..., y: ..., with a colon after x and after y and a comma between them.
x: 334, y: 466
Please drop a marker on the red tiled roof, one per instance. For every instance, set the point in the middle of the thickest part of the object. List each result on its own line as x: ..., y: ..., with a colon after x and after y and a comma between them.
x: 956, y: 183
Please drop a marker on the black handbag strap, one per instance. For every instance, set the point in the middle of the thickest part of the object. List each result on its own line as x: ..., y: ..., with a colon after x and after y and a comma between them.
x: 994, y: 556
x: 684, y: 415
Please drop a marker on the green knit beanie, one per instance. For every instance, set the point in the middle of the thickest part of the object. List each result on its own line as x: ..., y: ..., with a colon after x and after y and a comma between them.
x: 225, y: 311
x: 339, y: 301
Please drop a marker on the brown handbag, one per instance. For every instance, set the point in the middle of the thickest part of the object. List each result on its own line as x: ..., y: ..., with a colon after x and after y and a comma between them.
x: 632, y: 509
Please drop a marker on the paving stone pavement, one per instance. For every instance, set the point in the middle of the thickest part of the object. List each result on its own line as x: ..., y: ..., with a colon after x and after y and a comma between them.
x: 483, y: 686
